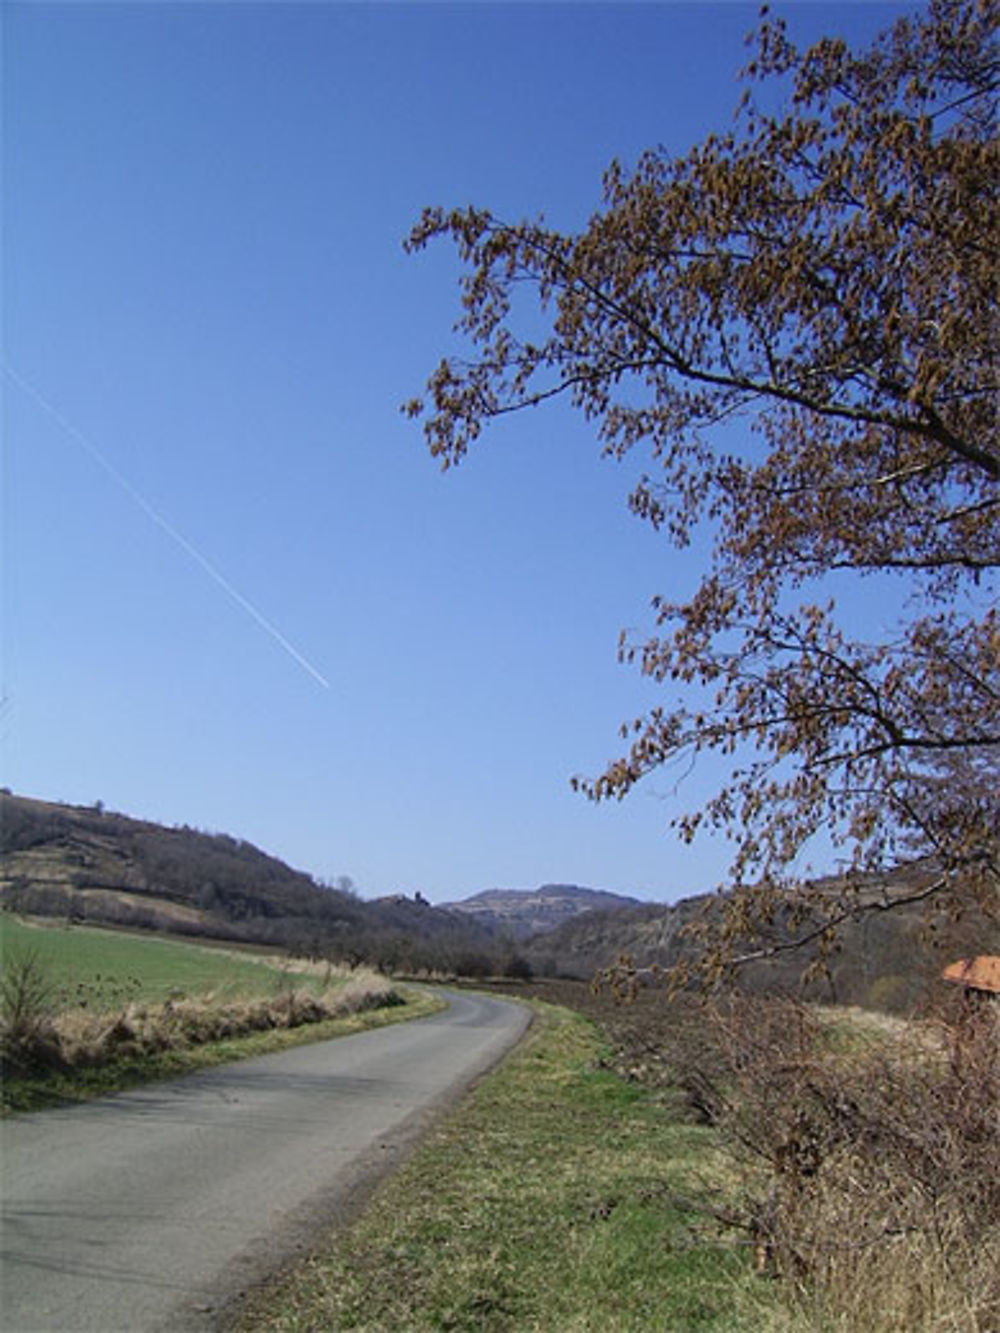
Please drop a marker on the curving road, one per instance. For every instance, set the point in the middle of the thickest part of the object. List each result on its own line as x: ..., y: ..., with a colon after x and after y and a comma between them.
x: 152, y: 1209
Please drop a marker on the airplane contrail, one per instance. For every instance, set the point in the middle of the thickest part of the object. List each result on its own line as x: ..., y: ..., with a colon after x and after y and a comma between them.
x: 89, y: 447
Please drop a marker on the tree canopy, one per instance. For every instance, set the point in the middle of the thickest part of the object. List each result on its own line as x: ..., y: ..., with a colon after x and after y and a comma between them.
x: 818, y: 285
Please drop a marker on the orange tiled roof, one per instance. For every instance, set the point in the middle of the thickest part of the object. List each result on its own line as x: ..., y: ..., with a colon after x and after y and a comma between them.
x: 982, y: 973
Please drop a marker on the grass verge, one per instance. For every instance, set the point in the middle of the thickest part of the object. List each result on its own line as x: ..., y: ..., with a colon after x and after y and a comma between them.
x: 86, y: 1011
x: 541, y: 1203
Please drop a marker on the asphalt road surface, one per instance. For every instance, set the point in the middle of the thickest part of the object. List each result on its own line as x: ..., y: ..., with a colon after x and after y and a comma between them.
x: 152, y: 1209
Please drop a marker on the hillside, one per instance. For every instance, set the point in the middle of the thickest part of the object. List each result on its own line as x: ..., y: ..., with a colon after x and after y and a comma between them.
x: 524, y: 912
x: 884, y: 961
x: 88, y: 864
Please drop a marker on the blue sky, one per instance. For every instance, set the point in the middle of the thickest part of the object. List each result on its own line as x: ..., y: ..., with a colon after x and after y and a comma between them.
x: 210, y: 497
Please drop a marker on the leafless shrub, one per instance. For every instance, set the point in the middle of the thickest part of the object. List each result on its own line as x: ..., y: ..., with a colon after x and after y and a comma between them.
x: 26, y: 1001
x: 870, y: 1160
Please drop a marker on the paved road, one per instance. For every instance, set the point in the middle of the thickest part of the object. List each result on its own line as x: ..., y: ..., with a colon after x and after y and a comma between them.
x: 150, y: 1210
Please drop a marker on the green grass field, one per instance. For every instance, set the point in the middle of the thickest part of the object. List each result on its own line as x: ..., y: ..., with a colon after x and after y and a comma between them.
x: 107, y: 968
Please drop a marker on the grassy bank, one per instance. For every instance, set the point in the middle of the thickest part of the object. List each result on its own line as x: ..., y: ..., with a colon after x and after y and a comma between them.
x: 542, y: 1203
x: 864, y: 1149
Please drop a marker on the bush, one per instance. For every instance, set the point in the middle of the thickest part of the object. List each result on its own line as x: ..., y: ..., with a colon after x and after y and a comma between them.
x: 868, y: 1151
x: 518, y: 968
x: 864, y: 1150
x: 27, y: 993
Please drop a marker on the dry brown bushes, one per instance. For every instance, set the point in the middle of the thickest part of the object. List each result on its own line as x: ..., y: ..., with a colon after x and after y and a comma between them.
x: 27, y: 998
x: 867, y: 1154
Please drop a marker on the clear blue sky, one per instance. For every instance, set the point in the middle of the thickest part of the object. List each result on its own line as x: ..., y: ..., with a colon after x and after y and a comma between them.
x: 210, y: 498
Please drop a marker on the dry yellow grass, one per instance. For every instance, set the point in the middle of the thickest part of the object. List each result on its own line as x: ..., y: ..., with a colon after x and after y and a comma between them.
x: 83, y: 1038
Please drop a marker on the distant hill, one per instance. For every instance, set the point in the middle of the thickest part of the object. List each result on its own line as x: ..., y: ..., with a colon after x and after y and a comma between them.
x: 88, y: 864
x: 885, y: 960
x: 524, y: 912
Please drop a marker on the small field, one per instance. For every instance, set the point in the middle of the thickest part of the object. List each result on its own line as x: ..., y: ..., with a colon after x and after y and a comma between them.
x: 103, y: 968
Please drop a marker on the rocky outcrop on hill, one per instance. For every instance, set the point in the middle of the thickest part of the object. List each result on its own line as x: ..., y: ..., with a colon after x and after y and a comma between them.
x: 521, y: 913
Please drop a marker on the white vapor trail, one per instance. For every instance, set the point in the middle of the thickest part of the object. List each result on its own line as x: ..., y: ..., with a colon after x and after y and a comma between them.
x: 89, y: 447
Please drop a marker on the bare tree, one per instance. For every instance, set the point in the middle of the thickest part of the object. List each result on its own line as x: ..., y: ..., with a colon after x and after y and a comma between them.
x: 827, y: 277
